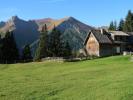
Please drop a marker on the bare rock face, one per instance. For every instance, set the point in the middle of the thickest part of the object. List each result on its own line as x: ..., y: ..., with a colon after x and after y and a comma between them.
x: 2, y: 24
x: 27, y: 32
x: 72, y: 30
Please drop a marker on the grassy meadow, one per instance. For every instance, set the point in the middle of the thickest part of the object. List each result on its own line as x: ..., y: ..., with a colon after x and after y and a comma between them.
x: 108, y: 78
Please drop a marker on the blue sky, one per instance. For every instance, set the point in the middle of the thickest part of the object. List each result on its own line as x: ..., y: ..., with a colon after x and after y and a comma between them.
x: 91, y: 12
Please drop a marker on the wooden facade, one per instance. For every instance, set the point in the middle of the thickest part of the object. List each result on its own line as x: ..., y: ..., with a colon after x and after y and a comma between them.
x: 106, y: 50
x: 92, y: 46
x: 107, y: 44
x: 95, y: 48
x: 121, y: 41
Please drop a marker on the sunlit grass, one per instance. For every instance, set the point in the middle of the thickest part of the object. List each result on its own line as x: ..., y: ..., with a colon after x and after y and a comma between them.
x: 101, y: 79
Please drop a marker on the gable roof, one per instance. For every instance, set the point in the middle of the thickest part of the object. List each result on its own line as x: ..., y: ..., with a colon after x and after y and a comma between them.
x: 130, y: 33
x: 101, y: 38
x: 119, y: 33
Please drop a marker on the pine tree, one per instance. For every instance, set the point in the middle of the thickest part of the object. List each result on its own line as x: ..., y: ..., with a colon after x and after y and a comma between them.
x: 113, y: 26
x: 27, y: 53
x: 15, y: 50
x: 55, y: 43
x: 67, y: 50
x: 128, y: 26
x: 9, y: 48
x: 121, y: 25
x: 41, y: 51
x: 1, y: 53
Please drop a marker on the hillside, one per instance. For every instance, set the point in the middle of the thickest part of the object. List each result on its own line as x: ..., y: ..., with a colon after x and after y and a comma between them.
x: 27, y: 32
x: 101, y: 79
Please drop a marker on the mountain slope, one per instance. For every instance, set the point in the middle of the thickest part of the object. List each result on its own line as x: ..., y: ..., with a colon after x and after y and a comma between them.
x: 27, y: 32
x: 72, y: 30
x: 2, y: 24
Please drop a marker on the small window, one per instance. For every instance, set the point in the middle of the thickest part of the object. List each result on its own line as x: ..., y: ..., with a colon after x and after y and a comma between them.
x: 117, y: 38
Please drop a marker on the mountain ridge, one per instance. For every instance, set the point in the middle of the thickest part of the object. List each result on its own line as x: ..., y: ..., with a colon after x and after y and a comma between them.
x: 27, y: 32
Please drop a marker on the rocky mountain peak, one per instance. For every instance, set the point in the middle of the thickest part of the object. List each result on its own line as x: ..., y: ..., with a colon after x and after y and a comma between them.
x: 68, y: 18
x: 2, y: 24
x: 26, y: 32
x: 14, y: 18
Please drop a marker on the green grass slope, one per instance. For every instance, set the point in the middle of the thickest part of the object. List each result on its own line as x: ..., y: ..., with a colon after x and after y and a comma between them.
x: 102, y: 79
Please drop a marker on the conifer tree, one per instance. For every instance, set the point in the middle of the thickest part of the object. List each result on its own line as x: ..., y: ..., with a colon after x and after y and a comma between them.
x: 55, y: 43
x: 121, y: 25
x: 1, y: 44
x: 67, y: 50
x: 111, y: 27
x: 9, y: 48
x: 41, y: 51
x: 27, y: 53
x: 128, y: 26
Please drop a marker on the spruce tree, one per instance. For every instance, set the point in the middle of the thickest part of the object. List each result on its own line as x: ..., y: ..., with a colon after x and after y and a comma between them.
x: 111, y: 27
x: 121, y: 25
x: 14, y: 47
x: 128, y: 26
x: 55, y: 43
x: 27, y: 53
x: 41, y: 51
x: 67, y: 50
x: 9, y: 48
x: 1, y: 53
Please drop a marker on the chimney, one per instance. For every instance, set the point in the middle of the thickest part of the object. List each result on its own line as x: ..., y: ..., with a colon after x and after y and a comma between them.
x: 102, y: 31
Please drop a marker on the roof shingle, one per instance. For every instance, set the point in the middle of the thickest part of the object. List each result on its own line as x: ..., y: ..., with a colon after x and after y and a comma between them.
x: 101, y: 38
